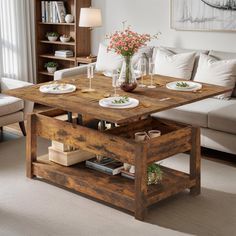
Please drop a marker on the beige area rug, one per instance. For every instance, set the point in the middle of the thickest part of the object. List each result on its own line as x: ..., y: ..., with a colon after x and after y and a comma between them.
x: 34, y: 208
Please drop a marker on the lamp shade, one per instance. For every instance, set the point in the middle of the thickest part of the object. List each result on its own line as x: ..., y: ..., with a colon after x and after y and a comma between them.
x: 90, y: 17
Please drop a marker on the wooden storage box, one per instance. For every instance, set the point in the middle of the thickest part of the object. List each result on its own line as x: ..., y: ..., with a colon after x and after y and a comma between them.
x: 68, y: 158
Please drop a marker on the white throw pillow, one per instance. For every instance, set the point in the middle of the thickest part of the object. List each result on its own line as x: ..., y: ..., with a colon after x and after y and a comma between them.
x: 174, y: 65
x: 218, y: 72
x: 107, y: 61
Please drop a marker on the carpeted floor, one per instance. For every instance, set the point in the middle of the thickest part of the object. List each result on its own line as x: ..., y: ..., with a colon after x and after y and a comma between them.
x: 34, y: 208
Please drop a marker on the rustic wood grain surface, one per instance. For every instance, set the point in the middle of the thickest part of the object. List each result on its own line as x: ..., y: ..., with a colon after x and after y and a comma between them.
x: 151, y: 100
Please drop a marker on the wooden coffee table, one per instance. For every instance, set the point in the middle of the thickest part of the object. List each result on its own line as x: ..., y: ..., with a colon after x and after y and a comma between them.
x: 118, y: 142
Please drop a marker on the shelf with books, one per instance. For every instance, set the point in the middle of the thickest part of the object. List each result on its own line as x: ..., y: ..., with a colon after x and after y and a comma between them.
x: 51, y: 56
x: 79, y: 176
x: 58, y: 42
x: 45, y: 50
x: 50, y: 23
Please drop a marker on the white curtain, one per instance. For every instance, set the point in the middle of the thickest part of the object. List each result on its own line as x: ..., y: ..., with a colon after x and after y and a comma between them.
x: 17, y: 54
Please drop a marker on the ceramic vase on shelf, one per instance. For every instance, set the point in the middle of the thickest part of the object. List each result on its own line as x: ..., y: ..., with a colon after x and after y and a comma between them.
x: 127, y: 76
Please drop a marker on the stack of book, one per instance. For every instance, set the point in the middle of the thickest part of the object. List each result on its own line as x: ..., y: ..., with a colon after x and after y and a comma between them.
x: 64, y: 53
x: 66, y: 155
x: 106, y: 165
x: 53, y: 11
x: 127, y: 174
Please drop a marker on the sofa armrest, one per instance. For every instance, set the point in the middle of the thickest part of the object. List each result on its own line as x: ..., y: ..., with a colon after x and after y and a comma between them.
x: 7, y: 84
x: 80, y: 70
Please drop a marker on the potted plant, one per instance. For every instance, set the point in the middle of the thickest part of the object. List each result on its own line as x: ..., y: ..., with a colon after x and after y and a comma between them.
x: 51, y: 67
x: 52, y: 36
x: 154, y: 174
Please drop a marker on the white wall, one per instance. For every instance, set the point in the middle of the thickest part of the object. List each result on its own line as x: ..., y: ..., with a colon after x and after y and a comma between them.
x: 151, y: 16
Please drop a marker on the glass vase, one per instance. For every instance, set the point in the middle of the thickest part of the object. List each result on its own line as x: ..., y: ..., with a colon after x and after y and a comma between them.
x: 127, y: 77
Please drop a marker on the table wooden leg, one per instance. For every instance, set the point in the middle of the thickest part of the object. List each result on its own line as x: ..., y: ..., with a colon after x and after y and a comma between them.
x: 79, y: 119
x: 141, y: 183
x: 31, y: 144
x: 102, y: 125
x: 195, y: 161
x: 70, y: 118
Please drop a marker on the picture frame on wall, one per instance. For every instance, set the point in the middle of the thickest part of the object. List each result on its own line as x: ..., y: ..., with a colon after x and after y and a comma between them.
x: 203, y: 15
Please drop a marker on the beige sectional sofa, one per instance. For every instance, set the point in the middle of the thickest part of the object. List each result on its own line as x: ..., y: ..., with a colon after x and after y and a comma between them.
x: 217, y: 118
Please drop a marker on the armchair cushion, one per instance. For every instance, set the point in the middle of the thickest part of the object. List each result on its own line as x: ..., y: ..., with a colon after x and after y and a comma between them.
x: 9, y: 105
x: 7, y: 83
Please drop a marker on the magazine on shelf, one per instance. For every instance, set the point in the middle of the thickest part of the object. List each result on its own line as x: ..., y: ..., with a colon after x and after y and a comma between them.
x: 43, y: 11
x: 63, y: 56
x: 61, y: 11
x: 107, y: 165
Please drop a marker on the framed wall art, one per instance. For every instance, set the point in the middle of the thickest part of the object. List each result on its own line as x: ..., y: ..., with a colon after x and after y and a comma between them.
x: 209, y: 15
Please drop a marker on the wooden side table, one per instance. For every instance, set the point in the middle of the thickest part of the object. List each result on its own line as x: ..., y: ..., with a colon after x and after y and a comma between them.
x: 86, y: 60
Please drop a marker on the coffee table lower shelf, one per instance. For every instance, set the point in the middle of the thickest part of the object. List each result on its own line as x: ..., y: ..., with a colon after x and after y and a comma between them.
x: 115, y: 190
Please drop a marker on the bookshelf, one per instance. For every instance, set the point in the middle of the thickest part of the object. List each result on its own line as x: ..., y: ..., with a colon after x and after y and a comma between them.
x: 79, y: 44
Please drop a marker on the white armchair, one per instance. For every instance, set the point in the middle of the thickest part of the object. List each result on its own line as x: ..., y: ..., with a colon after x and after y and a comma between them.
x: 80, y: 70
x: 13, y: 110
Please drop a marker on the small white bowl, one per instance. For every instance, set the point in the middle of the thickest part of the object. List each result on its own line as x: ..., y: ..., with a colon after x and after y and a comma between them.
x: 52, y: 39
x: 65, y: 40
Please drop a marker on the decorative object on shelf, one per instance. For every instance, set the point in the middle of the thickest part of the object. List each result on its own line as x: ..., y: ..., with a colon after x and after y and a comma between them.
x: 61, y: 11
x: 64, y: 53
x: 106, y: 165
x: 65, y: 38
x: 66, y: 155
x: 52, y: 36
x: 126, y: 43
x: 154, y: 174
x: 210, y: 15
x: 69, y: 18
x: 90, y: 18
x: 51, y: 67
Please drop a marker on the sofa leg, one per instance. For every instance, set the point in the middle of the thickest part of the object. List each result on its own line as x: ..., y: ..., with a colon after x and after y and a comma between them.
x: 22, y: 127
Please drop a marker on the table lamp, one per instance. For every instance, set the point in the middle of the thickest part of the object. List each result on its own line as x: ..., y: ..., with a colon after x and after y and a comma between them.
x: 90, y: 18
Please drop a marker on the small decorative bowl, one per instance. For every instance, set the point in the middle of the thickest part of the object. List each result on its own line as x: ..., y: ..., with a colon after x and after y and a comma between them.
x: 65, y: 40
x: 52, y: 38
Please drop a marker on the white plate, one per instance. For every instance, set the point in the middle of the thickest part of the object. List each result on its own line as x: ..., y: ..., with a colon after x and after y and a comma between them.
x: 192, y: 86
x: 57, y: 88
x: 109, y: 102
x: 133, y: 103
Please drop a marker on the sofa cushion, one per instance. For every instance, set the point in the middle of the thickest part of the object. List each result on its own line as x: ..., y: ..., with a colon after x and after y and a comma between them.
x: 224, y: 56
x: 182, y: 50
x: 224, y: 118
x: 170, y: 64
x: 11, y: 118
x: 10, y: 104
x: 109, y: 61
x: 219, y: 72
x: 195, y: 113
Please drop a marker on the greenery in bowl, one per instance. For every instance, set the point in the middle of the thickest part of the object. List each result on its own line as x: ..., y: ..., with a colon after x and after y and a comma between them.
x: 52, y: 34
x: 51, y: 64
